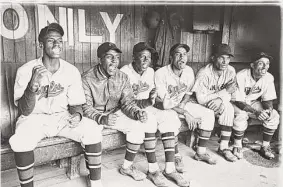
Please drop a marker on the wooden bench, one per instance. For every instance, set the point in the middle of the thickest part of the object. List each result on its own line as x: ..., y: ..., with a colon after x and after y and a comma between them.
x: 65, y: 151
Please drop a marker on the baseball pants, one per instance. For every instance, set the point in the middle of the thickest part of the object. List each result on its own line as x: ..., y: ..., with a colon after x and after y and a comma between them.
x: 227, y: 117
x: 31, y: 129
x: 134, y: 129
x: 241, y: 118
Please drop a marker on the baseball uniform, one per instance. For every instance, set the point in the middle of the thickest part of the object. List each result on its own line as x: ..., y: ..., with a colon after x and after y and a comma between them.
x: 168, y: 84
x: 51, y: 108
x: 209, y: 85
x: 250, y: 91
x: 168, y: 120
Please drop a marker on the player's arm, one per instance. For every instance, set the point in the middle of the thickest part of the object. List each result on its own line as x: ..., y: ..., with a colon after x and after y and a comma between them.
x: 246, y: 107
x: 76, y: 110
x: 128, y: 104
x: 26, y: 103
x: 267, y: 105
x: 88, y: 110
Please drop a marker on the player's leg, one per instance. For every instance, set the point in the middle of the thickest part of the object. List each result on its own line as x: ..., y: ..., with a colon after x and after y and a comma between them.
x: 134, y: 137
x: 204, y: 130
x: 168, y: 125
x: 239, y: 127
x: 269, y: 128
x: 28, y: 133
x: 225, y: 121
x: 89, y: 134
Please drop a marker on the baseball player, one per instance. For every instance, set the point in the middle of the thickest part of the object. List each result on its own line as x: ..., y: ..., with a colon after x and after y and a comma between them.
x: 141, y: 77
x: 174, y: 83
x: 48, y: 93
x: 213, y: 87
x: 254, y: 99
x: 110, y: 102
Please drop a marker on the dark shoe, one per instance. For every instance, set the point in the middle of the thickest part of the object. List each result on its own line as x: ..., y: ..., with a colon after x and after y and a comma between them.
x: 158, y: 179
x: 179, y: 164
x: 266, y: 152
x: 205, y: 157
x: 228, y: 155
x: 177, y: 178
x: 238, y: 152
x: 133, y: 172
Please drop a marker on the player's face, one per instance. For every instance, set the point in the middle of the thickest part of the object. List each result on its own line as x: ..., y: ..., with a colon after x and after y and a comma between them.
x: 142, y: 60
x: 52, y: 44
x: 180, y: 58
x: 260, y: 67
x: 221, y: 62
x: 110, y: 62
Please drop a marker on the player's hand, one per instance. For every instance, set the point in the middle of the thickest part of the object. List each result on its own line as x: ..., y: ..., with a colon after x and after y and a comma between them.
x: 192, y: 122
x: 231, y: 87
x: 171, y: 100
x: 74, y: 120
x: 152, y: 96
x: 142, y: 116
x: 39, y: 72
x: 220, y: 110
x: 215, y: 104
x: 264, y: 115
x: 109, y: 119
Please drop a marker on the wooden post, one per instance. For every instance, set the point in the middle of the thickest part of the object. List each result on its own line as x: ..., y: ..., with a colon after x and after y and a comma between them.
x: 226, y: 25
x: 73, y: 169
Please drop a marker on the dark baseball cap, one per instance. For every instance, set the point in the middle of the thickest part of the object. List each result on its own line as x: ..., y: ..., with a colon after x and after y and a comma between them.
x: 143, y: 46
x: 259, y: 55
x: 223, y: 49
x: 51, y: 27
x: 178, y: 45
x: 105, y: 47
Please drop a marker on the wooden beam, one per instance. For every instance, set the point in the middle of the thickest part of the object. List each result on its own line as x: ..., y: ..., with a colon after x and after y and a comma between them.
x: 226, y: 25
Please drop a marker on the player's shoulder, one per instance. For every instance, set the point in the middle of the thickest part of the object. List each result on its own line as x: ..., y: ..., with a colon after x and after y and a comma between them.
x: 231, y: 69
x: 162, y: 71
x: 244, y: 72
x: 205, y: 70
x: 269, y: 77
x: 188, y: 69
x: 125, y: 68
x: 27, y: 67
x: 88, y: 73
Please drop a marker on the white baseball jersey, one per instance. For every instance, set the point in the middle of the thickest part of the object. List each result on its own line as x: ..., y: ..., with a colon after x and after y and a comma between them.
x: 168, y: 83
x: 141, y: 84
x: 65, y: 88
x: 209, y: 85
x: 250, y: 90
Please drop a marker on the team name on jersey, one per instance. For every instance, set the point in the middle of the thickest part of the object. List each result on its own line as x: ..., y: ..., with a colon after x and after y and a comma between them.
x: 253, y: 90
x: 214, y: 87
x: 172, y: 90
x: 140, y: 87
x: 51, y: 90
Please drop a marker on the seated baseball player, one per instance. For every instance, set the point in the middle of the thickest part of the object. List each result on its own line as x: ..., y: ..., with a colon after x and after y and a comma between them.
x: 48, y: 93
x: 174, y: 83
x: 213, y: 87
x: 142, y: 81
x: 254, y: 99
x: 110, y: 103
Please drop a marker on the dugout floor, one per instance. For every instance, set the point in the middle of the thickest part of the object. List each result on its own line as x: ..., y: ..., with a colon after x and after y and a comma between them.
x: 224, y: 174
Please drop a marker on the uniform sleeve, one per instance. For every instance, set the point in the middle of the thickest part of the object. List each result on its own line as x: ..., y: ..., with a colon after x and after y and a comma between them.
x: 160, y: 84
x: 270, y: 92
x: 88, y: 110
x: 128, y: 104
x: 192, y: 80
x: 239, y: 94
x: 23, y: 77
x: 203, y: 94
x: 75, y: 91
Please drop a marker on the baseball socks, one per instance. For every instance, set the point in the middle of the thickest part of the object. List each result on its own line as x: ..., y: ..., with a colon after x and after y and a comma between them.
x: 201, y: 153
x: 168, y: 140
x: 127, y: 168
x: 224, y: 150
x: 93, y: 163
x: 265, y: 149
x: 237, y: 147
x: 149, y: 146
x: 24, y: 163
x: 178, y: 158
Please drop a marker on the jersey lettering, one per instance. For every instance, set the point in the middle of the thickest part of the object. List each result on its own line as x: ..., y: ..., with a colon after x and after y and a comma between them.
x: 140, y: 87
x: 51, y: 90
x: 172, y: 90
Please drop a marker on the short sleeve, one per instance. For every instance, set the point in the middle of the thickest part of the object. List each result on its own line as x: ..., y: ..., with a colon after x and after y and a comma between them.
x: 75, y: 92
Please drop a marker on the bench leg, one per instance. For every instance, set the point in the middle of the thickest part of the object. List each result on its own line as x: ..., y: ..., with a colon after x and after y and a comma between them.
x: 190, y: 139
x: 62, y: 163
x: 73, y: 169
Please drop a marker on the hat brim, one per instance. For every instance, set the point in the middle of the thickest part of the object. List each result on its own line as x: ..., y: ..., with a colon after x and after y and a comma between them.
x: 186, y: 47
x: 219, y: 54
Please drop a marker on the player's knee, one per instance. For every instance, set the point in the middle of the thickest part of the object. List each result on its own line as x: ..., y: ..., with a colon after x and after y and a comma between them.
x: 92, y: 132
x: 135, y: 136
x: 150, y: 126
x: 20, y: 143
x: 208, y: 119
x: 274, y: 121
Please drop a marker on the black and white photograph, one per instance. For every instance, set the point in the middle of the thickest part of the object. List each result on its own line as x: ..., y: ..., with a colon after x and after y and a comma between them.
x: 140, y: 93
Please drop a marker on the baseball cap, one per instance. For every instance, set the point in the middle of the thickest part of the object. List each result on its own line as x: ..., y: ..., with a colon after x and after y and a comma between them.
x: 51, y: 27
x: 223, y: 49
x: 106, y: 46
x: 259, y: 55
x: 143, y: 46
x: 178, y: 45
